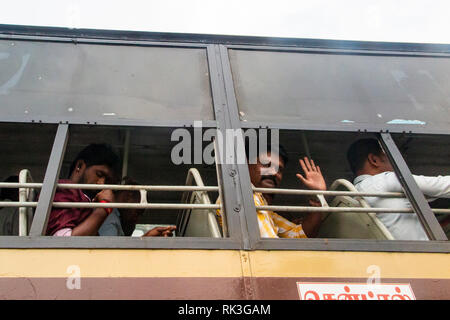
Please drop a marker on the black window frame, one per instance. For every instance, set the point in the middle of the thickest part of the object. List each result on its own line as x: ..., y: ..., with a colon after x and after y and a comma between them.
x: 438, y: 243
x: 235, y: 181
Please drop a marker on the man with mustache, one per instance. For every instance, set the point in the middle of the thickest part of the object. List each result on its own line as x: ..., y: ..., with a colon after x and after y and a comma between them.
x: 266, y: 171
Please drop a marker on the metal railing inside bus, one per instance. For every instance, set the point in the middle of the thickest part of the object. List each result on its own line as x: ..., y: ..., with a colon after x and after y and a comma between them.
x: 24, y: 188
x: 337, y: 209
x: 201, y: 197
x: 168, y: 188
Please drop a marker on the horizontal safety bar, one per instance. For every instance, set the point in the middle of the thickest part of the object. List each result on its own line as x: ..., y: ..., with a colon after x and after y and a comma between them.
x: 27, y: 185
x: 331, y: 193
x: 112, y: 187
x: 204, y: 188
x: 115, y: 205
x: 213, y: 206
x: 344, y: 209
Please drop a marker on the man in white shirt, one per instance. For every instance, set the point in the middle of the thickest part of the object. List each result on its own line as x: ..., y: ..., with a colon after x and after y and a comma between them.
x: 374, y: 173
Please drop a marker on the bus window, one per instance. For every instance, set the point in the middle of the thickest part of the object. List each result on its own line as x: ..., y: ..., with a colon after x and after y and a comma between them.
x: 428, y: 157
x: 353, y: 91
x: 363, y: 197
x: 54, y: 81
x: 168, y: 186
x: 24, y: 160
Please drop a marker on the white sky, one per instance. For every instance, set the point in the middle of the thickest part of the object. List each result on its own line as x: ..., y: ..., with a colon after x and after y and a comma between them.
x: 372, y: 20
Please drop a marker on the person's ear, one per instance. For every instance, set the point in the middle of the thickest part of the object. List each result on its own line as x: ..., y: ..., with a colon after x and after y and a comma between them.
x: 80, y: 166
x: 373, y: 160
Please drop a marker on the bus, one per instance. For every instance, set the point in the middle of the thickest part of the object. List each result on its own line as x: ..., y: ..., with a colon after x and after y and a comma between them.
x: 62, y: 89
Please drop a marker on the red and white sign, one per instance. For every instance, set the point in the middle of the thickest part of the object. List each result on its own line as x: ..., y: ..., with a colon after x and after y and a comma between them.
x: 354, y: 291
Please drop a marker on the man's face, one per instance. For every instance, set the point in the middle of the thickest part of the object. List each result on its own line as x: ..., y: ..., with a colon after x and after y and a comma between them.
x: 95, y: 174
x: 385, y: 163
x: 129, y: 219
x: 267, y: 172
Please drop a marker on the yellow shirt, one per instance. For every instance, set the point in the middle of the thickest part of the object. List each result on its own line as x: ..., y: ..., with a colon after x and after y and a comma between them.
x: 271, y: 225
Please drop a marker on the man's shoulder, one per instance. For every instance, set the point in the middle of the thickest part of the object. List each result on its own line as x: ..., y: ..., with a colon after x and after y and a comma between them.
x: 379, y: 176
x: 374, y: 182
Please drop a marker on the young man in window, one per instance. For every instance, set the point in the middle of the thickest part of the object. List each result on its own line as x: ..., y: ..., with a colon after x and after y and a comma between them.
x: 374, y: 173
x: 95, y: 164
x: 266, y: 171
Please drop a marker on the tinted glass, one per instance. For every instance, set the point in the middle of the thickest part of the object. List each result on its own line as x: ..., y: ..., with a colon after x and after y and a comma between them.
x: 342, y: 90
x: 63, y: 81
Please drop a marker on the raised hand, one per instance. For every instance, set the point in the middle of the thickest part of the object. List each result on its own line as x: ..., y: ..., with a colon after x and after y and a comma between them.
x: 312, y: 178
x: 104, y: 195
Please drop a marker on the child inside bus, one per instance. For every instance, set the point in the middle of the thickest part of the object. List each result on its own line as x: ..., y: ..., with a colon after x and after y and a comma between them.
x: 122, y: 222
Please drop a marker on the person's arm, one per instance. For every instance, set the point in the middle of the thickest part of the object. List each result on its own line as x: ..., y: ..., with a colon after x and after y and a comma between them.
x: 311, y: 223
x: 160, y: 232
x: 313, y: 180
x: 90, y: 226
x: 434, y: 187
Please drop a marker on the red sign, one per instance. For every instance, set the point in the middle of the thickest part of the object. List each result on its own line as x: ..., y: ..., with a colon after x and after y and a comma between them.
x: 354, y: 291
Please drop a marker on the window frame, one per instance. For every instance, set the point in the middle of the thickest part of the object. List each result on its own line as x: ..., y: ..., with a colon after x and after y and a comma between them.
x: 437, y: 244
x: 376, y: 51
x: 110, y: 42
x: 36, y: 239
x: 234, y: 179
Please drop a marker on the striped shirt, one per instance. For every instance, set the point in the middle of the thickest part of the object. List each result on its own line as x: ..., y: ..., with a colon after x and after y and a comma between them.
x: 271, y: 225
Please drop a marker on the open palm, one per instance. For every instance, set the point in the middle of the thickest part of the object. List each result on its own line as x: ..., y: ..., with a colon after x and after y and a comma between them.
x: 312, y: 178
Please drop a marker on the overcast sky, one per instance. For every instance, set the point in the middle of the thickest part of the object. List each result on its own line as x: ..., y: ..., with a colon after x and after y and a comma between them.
x: 373, y: 20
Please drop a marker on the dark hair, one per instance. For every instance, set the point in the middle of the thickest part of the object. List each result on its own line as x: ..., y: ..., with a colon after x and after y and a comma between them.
x: 98, y: 154
x: 136, y: 194
x: 281, y: 150
x: 359, y: 150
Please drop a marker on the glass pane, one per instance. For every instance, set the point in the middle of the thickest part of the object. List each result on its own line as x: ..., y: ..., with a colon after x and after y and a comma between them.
x: 342, y: 90
x: 428, y: 156
x: 89, y: 82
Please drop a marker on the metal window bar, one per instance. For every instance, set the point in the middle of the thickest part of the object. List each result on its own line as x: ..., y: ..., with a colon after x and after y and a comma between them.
x: 145, y: 205
x: 40, y: 219
x: 25, y: 195
x: 416, y: 197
